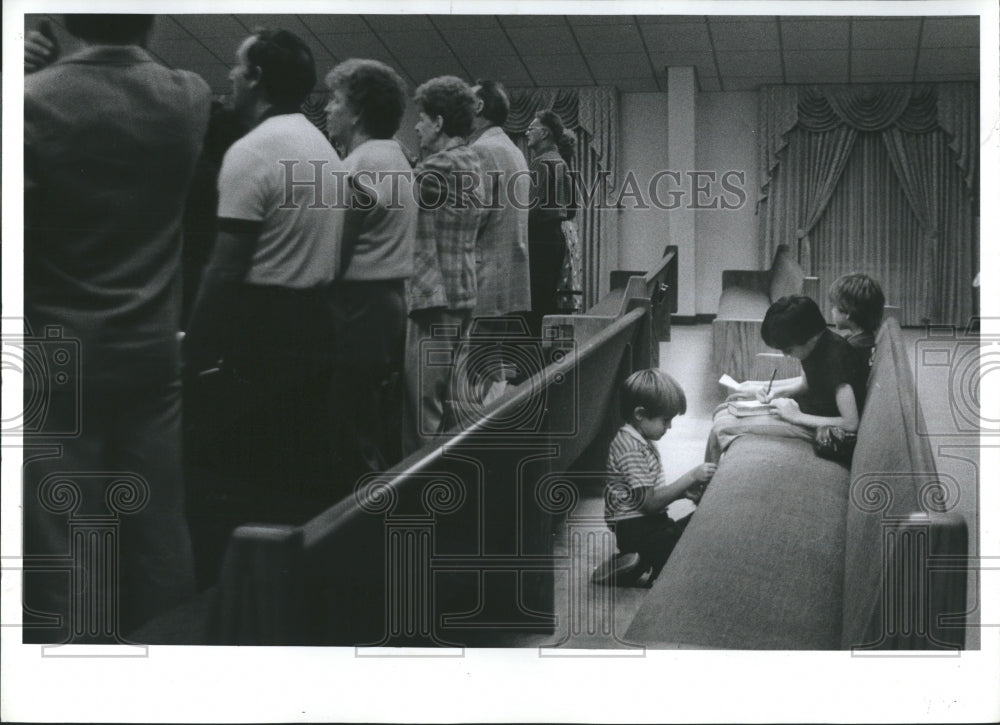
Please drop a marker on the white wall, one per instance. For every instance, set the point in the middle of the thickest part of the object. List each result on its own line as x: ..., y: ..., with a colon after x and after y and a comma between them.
x: 725, y: 140
x: 642, y: 233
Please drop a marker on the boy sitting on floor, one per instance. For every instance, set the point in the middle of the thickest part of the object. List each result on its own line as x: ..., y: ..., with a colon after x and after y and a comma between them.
x: 637, y: 492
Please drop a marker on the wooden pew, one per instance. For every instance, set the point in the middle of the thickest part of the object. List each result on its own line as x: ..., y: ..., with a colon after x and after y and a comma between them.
x: 453, y: 546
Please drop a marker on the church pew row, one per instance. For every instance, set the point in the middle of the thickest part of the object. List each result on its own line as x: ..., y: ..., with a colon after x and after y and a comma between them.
x: 453, y: 546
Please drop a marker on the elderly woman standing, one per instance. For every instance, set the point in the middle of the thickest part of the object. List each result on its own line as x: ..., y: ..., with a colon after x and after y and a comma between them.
x: 367, y: 102
x: 551, y: 194
x: 442, y: 292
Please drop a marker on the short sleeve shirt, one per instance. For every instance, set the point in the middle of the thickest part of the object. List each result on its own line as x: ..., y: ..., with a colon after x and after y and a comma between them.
x: 832, y: 363
x: 634, y: 469
x: 286, y: 175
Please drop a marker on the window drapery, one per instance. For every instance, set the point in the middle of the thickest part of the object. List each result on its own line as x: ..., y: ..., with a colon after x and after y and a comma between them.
x: 810, y: 135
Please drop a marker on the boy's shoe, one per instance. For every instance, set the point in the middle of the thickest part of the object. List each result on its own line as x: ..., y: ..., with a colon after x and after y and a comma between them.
x: 617, y: 569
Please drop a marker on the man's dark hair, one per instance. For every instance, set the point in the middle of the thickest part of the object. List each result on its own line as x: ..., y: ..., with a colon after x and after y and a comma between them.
x: 109, y: 29
x: 496, y: 104
x: 792, y: 320
x: 288, y: 72
x: 374, y: 91
x: 452, y: 99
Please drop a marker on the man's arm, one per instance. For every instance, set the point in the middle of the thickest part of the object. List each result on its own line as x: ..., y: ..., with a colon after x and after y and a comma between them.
x: 232, y: 256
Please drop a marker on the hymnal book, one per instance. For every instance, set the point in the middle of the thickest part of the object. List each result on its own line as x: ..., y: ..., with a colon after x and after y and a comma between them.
x: 747, y: 408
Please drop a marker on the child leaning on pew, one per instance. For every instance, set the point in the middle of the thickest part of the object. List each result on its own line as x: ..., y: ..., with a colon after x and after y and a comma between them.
x: 829, y: 394
x: 858, y: 305
x: 637, y: 493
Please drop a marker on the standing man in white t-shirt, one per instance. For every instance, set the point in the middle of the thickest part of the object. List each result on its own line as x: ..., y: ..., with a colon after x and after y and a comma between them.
x: 262, y: 306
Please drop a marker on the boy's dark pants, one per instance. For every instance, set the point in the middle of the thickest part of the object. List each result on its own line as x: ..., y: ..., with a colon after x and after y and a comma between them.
x: 652, y: 537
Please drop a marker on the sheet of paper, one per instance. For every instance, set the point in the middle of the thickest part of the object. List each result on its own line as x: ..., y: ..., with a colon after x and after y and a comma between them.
x: 728, y: 382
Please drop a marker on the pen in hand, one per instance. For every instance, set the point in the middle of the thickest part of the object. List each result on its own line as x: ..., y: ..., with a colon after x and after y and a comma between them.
x: 771, y: 382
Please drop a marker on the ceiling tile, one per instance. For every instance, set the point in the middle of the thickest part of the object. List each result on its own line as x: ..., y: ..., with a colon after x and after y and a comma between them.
x: 619, y: 65
x: 399, y: 23
x: 334, y: 23
x: 880, y: 78
x: 816, y: 75
x: 635, y: 85
x: 704, y: 62
x: 350, y: 45
x: 186, y: 52
x: 283, y: 22
x: 671, y: 19
x: 583, y: 20
x: 751, y: 83
x: 940, y: 61
x: 750, y: 62
x: 689, y: 36
x: 479, y: 42
x: 531, y: 21
x: 803, y: 62
x: 543, y: 41
x: 465, y: 22
x: 164, y: 27
x: 708, y: 83
x: 213, y: 26
x: 608, y: 38
x: 884, y: 32
x: 422, y: 69
x: 814, y: 34
x: 415, y: 44
x: 949, y: 78
x: 744, y: 35
x: 950, y: 32
x: 508, y: 69
x: 555, y: 69
x: 888, y: 62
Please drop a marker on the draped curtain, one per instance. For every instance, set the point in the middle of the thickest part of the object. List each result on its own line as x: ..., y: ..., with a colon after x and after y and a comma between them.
x: 919, y: 143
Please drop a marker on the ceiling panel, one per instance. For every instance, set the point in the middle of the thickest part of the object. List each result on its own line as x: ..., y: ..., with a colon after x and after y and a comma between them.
x: 637, y: 85
x: 744, y: 35
x: 804, y: 62
x: 688, y: 36
x: 940, y: 61
x: 607, y: 66
x: 554, y: 40
x: 213, y: 26
x: 399, y: 23
x: 508, y: 69
x: 465, y: 22
x: 608, y: 38
x: 478, y: 42
x: 749, y: 62
x: 814, y: 34
x: 704, y: 62
x: 885, y: 33
x: 948, y: 32
x: 531, y: 21
x: 631, y: 52
x: 360, y: 45
x: 889, y: 62
x: 335, y: 23
x: 749, y: 84
x: 415, y: 43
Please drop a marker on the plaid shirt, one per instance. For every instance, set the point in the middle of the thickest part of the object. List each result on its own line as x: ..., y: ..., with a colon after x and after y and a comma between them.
x: 634, y: 469
x: 444, y: 260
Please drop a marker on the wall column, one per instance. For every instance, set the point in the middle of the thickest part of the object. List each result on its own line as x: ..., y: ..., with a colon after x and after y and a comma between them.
x: 680, y: 158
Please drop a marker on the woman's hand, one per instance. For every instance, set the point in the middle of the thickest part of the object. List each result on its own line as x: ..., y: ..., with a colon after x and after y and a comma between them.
x: 786, y: 408
x: 40, y: 49
x: 765, y: 397
x: 703, y: 473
